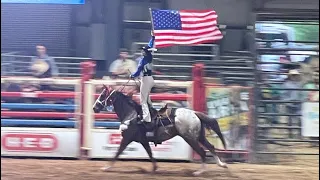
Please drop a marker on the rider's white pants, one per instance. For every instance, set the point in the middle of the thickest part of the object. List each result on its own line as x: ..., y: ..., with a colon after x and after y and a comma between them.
x: 147, y: 83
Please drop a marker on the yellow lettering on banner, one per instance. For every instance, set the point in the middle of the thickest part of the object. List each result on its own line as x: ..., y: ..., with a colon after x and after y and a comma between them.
x: 244, y: 118
x: 224, y: 123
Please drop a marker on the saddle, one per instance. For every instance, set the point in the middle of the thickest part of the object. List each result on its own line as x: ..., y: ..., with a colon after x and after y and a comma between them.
x: 151, y: 127
x: 154, y: 117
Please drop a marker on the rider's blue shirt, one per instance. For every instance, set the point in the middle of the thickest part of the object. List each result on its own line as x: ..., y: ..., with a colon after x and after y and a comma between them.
x: 145, y: 63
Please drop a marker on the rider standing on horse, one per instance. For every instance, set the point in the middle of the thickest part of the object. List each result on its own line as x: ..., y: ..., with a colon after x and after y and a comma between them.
x: 147, y: 82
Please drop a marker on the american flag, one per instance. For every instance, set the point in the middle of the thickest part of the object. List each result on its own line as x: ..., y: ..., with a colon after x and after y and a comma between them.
x: 184, y: 27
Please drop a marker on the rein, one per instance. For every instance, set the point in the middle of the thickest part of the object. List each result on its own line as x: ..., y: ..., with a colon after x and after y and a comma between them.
x: 103, y: 103
x: 124, y: 85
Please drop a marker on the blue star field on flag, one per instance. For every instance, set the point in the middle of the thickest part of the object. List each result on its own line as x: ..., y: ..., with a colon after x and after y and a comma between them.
x: 166, y: 20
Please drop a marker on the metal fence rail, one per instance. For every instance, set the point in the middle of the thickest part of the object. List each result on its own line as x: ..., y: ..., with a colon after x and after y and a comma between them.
x: 19, y: 65
x: 236, y: 67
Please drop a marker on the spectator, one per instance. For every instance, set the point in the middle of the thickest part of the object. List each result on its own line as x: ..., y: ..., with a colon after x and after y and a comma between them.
x: 271, y: 94
x: 293, y: 82
x: 123, y: 66
x: 43, y: 66
x: 312, y: 96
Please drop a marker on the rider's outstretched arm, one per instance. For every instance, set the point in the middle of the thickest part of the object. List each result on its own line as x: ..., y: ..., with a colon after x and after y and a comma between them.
x: 151, y: 42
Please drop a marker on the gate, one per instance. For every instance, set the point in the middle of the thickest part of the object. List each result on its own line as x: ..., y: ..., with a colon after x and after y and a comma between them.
x: 281, y: 125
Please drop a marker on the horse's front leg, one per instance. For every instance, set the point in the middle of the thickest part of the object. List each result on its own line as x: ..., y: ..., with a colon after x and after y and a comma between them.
x: 147, y: 147
x: 124, y: 143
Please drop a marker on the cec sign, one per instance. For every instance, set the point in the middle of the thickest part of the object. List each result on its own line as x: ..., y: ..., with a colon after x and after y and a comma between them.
x: 115, y: 138
x: 39, y: 142
x: 105, y: 144
x: 29, y: 142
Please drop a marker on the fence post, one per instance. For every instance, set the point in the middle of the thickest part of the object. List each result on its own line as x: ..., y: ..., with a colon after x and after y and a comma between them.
x: 198, y: 91
x: 87, y: 71
x: 198, y: 94
x: 255, y: 106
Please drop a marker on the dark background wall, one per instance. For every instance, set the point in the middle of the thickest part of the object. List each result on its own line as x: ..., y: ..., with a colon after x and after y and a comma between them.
x: 23, y: 26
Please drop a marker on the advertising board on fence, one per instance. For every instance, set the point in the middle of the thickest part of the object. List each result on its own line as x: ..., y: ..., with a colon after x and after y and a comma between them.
x: 105, y: 144
x: 234, y: 123
x: 310, y: 119
x: 39, y: 142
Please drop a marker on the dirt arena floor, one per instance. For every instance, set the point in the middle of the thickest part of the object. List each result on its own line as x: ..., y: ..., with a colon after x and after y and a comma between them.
x: 39, y: 169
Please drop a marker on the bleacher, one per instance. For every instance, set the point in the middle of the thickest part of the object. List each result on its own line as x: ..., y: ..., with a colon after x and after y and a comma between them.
x: 229, y: 68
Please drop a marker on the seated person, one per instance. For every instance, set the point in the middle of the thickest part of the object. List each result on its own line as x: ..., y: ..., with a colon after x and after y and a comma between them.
x: 42, y: 65
x: 122, y: 67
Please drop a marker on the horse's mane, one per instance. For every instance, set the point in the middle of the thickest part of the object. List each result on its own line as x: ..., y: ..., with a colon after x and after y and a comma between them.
x: 129, y: 98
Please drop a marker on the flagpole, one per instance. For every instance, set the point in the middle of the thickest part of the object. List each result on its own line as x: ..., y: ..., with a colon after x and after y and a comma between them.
x: 151, y: 21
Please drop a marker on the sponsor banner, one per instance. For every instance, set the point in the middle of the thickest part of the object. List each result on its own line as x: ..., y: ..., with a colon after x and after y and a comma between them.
x: 310, y: 119
x: 105, y: 144
x: 39, y: 142
x: 234, y: 122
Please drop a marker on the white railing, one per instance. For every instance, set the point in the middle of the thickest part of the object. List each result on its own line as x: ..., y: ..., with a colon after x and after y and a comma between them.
x: 158, y: 83
x: 33, y: 80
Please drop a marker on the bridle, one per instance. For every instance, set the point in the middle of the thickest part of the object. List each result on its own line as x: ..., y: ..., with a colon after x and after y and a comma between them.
x: 104, y: 103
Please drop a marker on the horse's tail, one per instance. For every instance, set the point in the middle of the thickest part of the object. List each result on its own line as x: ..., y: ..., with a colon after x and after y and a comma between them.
x: 212, y: 123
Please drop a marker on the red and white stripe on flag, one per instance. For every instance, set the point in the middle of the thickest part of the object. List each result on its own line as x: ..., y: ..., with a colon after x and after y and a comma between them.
x: 198, y: 27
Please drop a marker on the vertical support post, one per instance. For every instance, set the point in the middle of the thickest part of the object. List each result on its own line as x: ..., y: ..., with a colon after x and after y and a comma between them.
x: 255, y: 106
x: 88, y: 119
x: 77, y: 102
x: 198, y: 94
x: 87, y: 70
x: 113, y: 22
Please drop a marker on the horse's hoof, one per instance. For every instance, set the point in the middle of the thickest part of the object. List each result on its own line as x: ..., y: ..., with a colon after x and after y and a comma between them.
x: 105, y: 168
x: 155, y: 167
x: 223, y: 165
x: 197, y: 173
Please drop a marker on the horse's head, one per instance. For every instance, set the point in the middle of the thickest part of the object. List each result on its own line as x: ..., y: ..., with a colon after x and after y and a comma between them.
x: 105, y: 98
x: 124, y: 106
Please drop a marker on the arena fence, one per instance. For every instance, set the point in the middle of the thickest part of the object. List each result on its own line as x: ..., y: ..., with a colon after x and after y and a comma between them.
x: 32, y: 129
x: 96, y: 135
x: 277, y: 129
